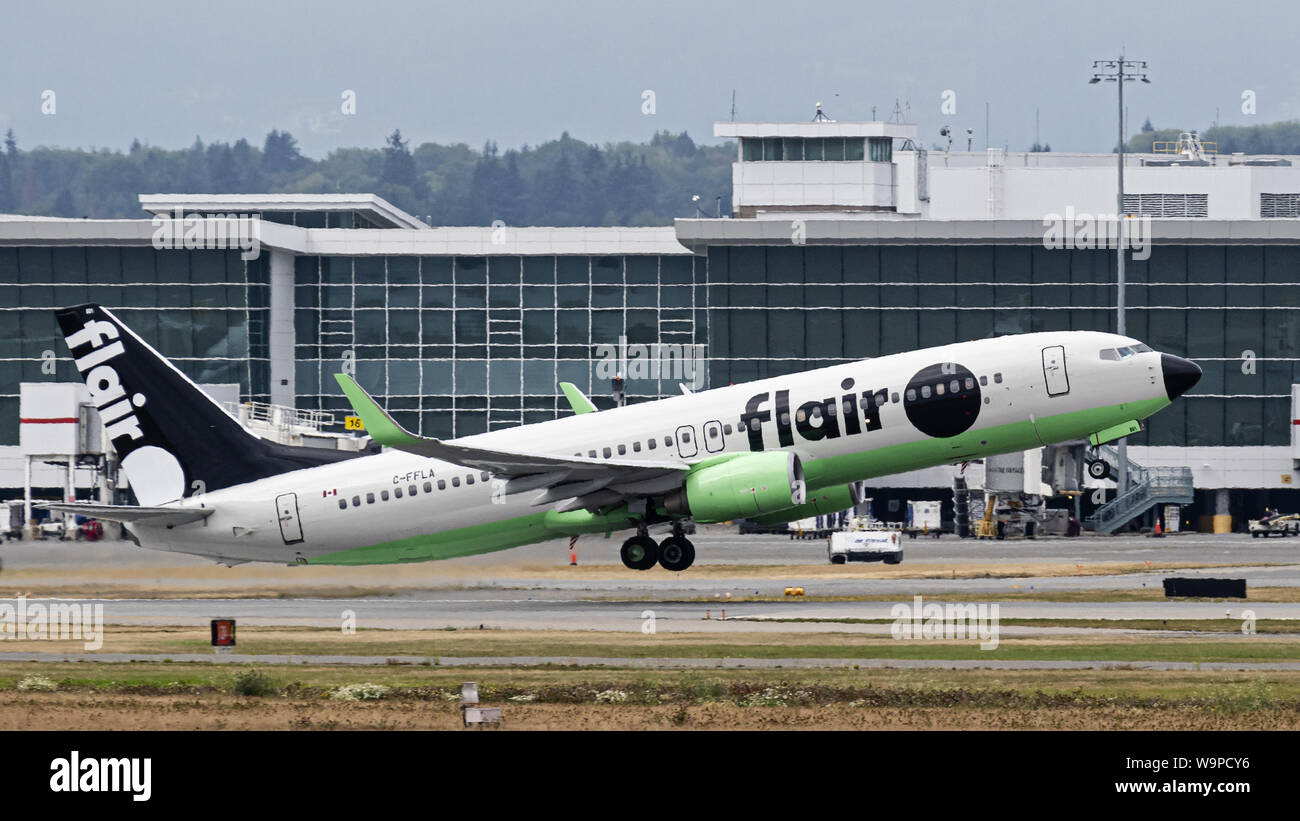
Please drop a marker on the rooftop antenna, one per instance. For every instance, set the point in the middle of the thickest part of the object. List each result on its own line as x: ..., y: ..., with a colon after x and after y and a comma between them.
x: 820, y: 116
x: 733, y: 105
x: 897, y: 115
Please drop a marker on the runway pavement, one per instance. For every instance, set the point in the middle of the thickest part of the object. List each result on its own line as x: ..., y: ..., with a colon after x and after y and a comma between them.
x: 493, y: 611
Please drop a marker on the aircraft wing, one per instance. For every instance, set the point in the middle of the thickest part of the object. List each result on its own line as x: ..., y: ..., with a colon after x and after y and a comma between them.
x: 570, y: 482
x: 130, y: 513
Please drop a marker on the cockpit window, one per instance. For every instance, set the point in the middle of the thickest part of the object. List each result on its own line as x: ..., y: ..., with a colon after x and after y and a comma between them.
x: 1125, y: 353
x: 1140, y: 348
x: 1110, y: 354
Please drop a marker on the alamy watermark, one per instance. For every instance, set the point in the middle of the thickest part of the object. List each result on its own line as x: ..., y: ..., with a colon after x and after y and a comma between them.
x: 21, y: 620
x: 221, y: 232
x: 1089, y: 232
x: 658, y: 360
x: 920, y: 620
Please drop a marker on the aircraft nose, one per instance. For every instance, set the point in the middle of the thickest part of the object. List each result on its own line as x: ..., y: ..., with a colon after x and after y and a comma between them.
x: 1180, y: 375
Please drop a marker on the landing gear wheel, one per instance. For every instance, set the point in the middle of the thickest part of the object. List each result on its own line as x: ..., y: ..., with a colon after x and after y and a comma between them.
x: 639, y: 553
x: 676, y: 554
x: 1099, y: 469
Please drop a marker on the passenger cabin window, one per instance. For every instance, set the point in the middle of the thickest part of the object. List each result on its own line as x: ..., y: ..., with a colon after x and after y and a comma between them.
x: 356, y: 501
x: 668, y: 441
x: 455, y: 481
x: 622, y: 450
x: 483, y: 475
x: 650, y: 443
x: 410, y: 491
x: 894, y: 398
x: 911, y: 394
x: 397, y: 491
x: 343, y: 504
x: 984, y: 380
x: 383, y: 494
x: 636, y: 447
x: 469, y: 479
x: 726, y: 429
x: 997, y: 377
x: 428, y: 487
x: 608, y: 453
x: 370, y: 498
x: 591, y: 454
x: 442, y: 484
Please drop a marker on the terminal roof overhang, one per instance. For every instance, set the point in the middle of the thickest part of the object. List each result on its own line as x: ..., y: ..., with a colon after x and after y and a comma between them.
x: 17, y: 230
x: 375, y: 209
x: 820, y: 128
x: 699, y: 234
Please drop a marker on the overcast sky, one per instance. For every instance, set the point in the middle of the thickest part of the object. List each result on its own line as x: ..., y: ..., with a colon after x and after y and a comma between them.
x: 523, y: 72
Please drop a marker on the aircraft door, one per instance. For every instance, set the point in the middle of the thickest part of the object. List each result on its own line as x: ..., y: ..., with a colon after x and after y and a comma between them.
x: 1057, y: 380
x: 713, y: 437
x: 286, y: 508
x: 686, y: 444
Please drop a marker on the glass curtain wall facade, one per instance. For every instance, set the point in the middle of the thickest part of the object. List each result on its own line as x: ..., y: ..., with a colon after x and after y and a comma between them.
x: 459, y: 345
x: 205, y: 310
x: 1234, y: 310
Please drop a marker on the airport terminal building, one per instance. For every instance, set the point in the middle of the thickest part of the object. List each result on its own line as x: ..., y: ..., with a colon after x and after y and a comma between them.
x: 848, y: 241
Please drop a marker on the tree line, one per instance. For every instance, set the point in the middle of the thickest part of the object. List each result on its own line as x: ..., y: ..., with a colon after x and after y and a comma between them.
x: 560, y: 182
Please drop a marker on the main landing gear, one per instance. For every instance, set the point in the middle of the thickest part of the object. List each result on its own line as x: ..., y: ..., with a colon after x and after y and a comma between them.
x: 676, y: 553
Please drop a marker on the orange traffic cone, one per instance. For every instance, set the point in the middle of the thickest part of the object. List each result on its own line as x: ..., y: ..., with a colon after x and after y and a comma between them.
x: 1159, y: 532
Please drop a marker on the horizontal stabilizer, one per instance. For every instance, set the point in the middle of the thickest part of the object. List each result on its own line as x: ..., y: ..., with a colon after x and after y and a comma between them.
x: 130, y: 513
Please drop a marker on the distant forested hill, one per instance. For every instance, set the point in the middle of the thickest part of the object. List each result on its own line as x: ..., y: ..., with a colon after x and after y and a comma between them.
x: 561, y: 182
x: 1267, y: 138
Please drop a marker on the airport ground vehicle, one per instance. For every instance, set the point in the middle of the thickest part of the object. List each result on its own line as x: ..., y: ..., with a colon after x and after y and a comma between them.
x: 865, y: 546
x: 1273, y: 523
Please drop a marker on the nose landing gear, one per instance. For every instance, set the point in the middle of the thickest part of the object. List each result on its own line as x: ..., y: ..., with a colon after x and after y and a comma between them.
x: 676, y: 553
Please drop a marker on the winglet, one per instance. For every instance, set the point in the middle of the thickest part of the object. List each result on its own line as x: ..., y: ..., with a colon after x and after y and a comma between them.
x: 379, y: 424
x: 581, y: 404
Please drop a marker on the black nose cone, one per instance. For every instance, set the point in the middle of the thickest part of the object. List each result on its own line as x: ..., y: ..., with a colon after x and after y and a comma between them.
x: 1180, y: 375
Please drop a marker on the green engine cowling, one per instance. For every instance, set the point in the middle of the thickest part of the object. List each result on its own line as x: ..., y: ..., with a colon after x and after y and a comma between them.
x: 820, y: 503
x: 744, y: 486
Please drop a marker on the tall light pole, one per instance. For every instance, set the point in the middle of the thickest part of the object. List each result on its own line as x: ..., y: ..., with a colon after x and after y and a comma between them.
x: 1117, y: 71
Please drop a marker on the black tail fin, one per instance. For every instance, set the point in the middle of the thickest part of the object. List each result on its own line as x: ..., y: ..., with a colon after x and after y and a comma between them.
x: 173, y: 439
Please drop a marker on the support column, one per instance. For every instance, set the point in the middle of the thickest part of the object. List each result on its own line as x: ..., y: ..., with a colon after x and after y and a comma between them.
x: 280, y: 335
x: 1222, y: 518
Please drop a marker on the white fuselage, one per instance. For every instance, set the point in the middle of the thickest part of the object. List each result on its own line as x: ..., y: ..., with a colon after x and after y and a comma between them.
x: 249, y: 523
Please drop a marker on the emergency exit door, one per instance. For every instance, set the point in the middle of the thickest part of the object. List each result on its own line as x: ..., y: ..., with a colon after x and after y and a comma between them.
x: 286, y: 507
x: 1058, y: 381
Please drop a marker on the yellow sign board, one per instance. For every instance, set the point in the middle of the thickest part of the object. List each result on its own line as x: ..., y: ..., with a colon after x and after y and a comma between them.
x: 353, y: 423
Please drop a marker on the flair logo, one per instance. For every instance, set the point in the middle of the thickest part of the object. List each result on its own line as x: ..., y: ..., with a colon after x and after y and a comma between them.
x: 815, y: 420
x: 116, y: 409
x: 126, y: 775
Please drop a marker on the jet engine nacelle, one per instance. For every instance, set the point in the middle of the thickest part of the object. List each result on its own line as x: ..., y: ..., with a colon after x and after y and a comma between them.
x: 820, y: 503
x: 744, y: 486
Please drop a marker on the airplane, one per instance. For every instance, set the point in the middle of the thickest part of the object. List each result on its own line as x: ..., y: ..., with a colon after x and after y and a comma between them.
x: 775, y: 450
